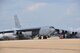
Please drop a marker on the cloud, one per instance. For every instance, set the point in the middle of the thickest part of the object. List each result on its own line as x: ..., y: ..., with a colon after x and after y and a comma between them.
x: 57, y: 1
x: 72, y: 9
x: 36, y: 6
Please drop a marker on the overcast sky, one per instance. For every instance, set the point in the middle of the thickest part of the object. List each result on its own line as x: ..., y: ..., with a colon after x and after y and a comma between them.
x: 36, y: 13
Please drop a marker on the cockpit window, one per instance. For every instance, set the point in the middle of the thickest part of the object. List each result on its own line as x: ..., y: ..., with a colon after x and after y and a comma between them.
x: 51, y: 27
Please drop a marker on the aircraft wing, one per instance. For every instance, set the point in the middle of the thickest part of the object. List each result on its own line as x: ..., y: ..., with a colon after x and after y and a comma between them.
x: 65, y: 30
x: 21, y: 30
x: 67, y: 33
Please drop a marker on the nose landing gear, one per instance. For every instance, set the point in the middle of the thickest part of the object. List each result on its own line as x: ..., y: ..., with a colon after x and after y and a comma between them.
x: 42, y: 37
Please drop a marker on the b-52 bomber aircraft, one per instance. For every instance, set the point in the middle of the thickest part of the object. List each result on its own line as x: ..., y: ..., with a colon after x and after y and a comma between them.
x: 40, y: 32
x: 19, y: 33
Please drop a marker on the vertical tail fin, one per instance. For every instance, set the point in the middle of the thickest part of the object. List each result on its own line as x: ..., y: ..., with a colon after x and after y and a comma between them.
x: 17, y: 23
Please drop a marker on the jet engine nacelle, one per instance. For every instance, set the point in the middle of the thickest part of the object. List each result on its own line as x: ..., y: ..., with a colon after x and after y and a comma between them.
x: 27, y: 35
x: 1, y: 37
x: 7, y: 36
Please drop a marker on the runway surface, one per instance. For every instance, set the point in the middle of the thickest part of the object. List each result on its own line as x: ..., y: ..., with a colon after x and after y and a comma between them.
x: 41, y: 46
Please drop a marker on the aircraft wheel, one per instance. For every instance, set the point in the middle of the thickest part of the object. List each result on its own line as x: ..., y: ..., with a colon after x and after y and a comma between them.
x: 44, y: 37
x: 61, y: 37
x: 39, y: 37
x: 49, y: 36
x: 1, y: 39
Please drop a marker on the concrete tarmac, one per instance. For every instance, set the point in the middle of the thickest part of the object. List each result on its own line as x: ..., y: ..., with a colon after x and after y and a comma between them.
x: 41, y: 46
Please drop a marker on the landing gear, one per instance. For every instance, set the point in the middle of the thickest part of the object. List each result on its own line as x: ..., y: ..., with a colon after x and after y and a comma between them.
x: 1, y: 39
x: 39, y: 37
x: 49, y: 36
x: 44, y: 37
x: 61, y: 36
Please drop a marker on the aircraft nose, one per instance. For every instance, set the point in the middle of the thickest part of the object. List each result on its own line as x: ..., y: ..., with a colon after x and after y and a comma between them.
x: 53, y: 29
